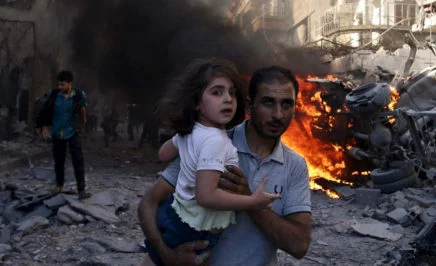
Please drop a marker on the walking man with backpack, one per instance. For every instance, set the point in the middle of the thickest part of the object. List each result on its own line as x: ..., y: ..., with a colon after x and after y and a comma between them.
x: 65, y: 112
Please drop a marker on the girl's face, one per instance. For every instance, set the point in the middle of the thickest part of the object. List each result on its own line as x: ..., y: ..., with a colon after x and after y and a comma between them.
x: 218, y: 103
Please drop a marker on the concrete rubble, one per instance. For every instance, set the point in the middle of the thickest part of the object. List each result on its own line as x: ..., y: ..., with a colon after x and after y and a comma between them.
x: 40, y: 227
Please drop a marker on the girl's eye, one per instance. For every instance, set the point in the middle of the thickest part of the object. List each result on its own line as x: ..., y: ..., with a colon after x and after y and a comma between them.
x: 232, y: 92
x: 216, y: 92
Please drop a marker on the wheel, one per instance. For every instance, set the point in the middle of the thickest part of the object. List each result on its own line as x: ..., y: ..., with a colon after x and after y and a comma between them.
x: 368, y: 98
x: 397, y: 185
x: 380, y: 176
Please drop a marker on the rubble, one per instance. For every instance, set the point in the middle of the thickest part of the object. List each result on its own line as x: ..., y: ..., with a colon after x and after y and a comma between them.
x: 104, y: 230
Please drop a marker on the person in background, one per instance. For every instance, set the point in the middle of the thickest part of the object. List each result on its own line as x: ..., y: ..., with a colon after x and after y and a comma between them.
x: 65, y: 111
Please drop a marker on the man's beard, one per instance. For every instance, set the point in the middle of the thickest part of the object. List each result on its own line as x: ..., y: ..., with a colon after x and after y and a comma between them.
x: 263, y: 133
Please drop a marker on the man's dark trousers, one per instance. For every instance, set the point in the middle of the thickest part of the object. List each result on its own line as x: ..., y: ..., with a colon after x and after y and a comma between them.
x: 59, y: 153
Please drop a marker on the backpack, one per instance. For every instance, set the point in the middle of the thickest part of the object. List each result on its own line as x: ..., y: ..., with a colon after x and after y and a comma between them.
x: 44, y: 108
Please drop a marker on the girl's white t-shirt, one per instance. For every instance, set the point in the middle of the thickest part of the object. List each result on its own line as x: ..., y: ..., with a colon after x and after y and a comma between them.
x: 206, y: 148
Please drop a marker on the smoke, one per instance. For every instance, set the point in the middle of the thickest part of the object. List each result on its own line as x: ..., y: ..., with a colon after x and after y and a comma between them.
x: 136, y: 45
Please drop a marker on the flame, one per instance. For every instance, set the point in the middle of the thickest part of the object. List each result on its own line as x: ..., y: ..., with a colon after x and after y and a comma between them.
x: 394, y: 97
x: 323, y: 159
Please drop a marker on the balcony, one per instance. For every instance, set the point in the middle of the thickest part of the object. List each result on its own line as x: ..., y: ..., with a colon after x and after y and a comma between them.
x: 351, y: 18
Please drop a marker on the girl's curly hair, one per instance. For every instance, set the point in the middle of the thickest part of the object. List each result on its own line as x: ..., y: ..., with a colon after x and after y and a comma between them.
x: 176, y: 111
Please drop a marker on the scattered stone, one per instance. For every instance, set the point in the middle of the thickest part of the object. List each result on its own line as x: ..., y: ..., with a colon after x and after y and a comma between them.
x: 345, y: 191
x: 4, y: 248
x: 321, y: 243
x: 5, y: 234
x: 116, y: 245
x: 379, y: 215
x: 93, y: 247
x: 343, y: 226
x: 414, y: 212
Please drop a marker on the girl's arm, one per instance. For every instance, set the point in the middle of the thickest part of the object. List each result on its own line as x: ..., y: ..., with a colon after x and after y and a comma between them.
x: 209, y: 195
x: 168, y: 151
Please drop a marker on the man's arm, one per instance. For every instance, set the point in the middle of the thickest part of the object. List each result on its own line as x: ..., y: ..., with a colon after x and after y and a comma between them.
x: 291, y: 233
x: 147, y: 208
x: 168, y: 151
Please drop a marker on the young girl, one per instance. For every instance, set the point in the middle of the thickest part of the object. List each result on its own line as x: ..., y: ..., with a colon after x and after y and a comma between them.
x: 200, y: 105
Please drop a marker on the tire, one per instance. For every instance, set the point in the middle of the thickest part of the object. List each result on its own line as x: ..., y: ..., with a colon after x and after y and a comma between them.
x: 380, y: 176
x: 368, y: 98
x: 397, y: 185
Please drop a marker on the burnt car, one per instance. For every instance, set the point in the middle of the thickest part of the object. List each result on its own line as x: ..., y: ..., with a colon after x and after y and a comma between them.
x: 395, y: 142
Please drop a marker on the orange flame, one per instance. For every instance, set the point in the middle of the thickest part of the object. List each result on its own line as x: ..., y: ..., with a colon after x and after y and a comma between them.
x: 323, y: 159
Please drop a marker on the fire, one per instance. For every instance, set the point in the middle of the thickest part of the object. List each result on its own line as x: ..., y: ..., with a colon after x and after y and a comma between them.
x: 394, y: 97
x: 323, y: 159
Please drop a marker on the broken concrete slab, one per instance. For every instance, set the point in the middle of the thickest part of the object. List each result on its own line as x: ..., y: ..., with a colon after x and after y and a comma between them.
x: 68, y: 216
x: 374, y: 228
x: 55, y: 202
x: 425, y: 201
x: 32, y: 224
x: 41, y: 210
x: 345, y: 191
x: 428, y: 215
x: 367, y: 196
x: 97, y: 212
x: 399, y: 215
x: 117, y: 198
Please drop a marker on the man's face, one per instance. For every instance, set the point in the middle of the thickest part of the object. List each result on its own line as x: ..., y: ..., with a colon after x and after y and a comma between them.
x: 64, y: 86
x: 273, y: 108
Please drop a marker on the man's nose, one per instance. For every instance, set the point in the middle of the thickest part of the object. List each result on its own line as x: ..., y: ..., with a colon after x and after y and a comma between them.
x: 278, y: 112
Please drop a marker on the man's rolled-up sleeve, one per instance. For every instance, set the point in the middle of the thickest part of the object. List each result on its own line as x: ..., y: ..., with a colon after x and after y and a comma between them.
x: 298, y: 191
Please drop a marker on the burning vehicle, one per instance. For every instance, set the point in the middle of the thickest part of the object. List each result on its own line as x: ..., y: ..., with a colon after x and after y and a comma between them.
x: 374, y: 132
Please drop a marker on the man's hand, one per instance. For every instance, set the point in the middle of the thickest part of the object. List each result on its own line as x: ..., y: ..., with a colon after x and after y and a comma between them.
x: 45, y: 132
x: 185, y: 254
x: 234, y: 180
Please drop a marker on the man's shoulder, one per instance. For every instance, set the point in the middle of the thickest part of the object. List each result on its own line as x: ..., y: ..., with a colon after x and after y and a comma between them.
x: 290, y: 154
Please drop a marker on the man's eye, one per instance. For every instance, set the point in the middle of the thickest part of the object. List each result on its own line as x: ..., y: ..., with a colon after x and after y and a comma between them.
x: 268, y: 103
x: 287, y: 105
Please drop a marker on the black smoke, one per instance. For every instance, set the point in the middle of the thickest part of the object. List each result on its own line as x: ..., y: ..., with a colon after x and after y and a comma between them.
x: 136, y: 45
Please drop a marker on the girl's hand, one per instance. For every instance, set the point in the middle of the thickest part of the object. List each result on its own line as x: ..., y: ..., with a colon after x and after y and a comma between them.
x: 263, y: 200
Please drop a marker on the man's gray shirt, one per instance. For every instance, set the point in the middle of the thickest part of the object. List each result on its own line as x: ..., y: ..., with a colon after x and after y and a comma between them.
x: 244, y: 243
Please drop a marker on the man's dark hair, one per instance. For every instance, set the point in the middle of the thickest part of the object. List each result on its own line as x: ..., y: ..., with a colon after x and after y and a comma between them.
x: 65, y: 75
x: 177, y: 110
x: 269, y: 75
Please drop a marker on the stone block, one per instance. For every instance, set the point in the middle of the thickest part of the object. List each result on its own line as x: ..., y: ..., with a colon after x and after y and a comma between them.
x: 367, y: 196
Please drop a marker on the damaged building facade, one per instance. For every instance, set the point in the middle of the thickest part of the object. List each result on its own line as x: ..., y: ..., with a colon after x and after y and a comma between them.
x: 349, y: 35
